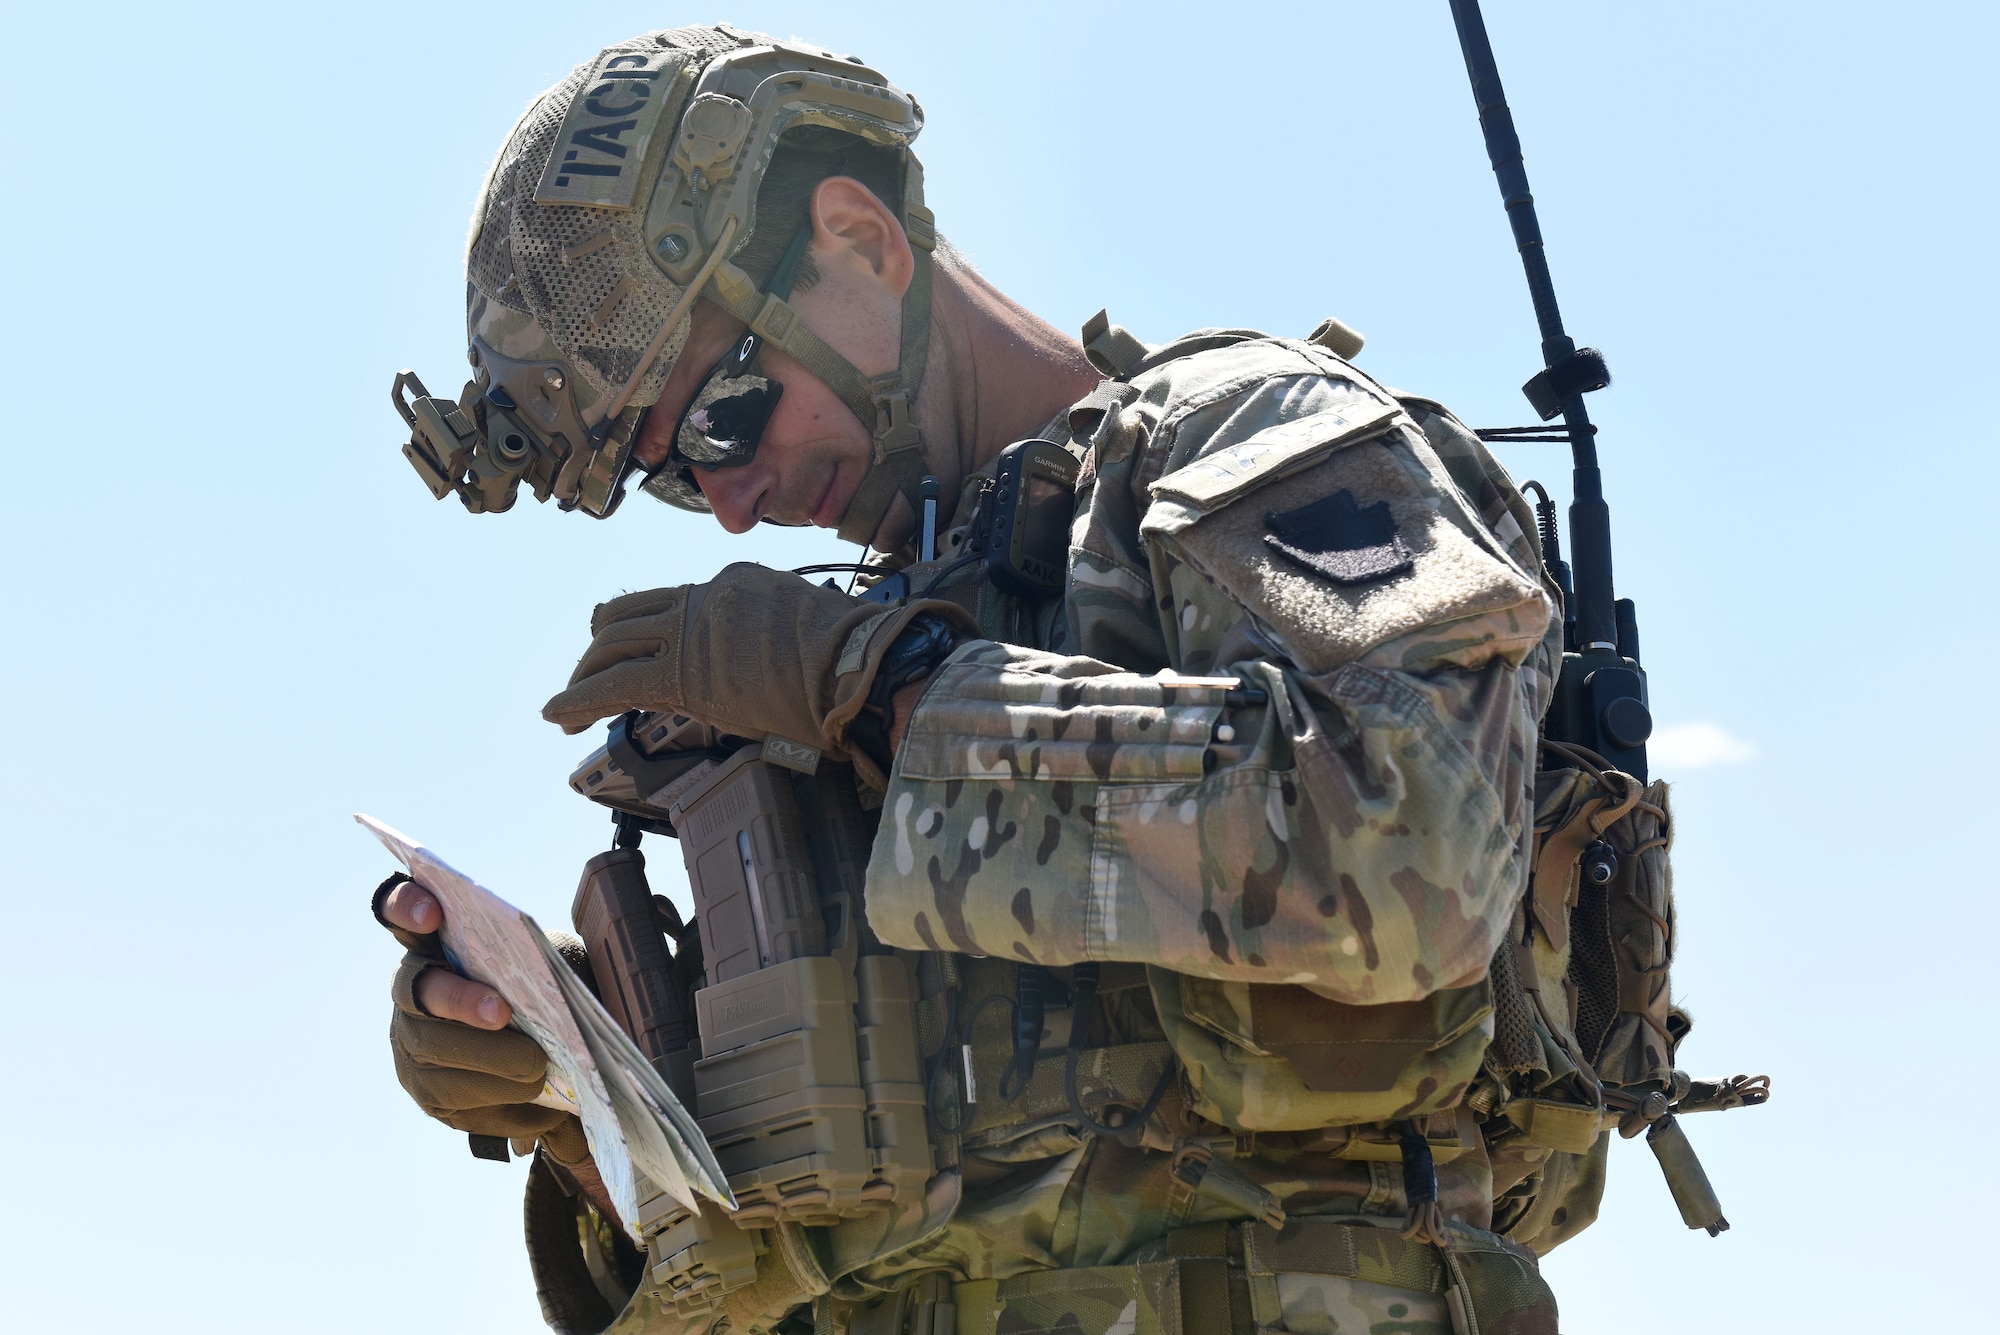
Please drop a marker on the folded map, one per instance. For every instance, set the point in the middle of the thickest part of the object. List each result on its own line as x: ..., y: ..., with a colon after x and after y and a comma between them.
x: 642, y: 1139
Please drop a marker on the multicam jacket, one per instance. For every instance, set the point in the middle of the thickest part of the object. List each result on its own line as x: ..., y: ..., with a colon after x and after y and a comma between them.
x: 1279, y: 728
x: 1259, y: 511
x: 1353, y: 817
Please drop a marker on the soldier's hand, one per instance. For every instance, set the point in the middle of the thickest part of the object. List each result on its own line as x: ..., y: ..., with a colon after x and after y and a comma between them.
x: 409, y: 908
x: 453, y: 1050
x: 455, y: 1054
x: 756, y: 652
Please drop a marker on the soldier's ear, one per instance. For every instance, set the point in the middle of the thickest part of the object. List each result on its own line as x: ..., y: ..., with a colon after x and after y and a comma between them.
x: 855, y: 231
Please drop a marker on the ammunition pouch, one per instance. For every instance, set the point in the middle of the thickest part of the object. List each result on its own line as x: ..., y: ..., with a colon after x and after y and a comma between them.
x: 807, y: 1081
x: 1316, y: 1276
x: 697, y: 1258
x: 808, y: 1086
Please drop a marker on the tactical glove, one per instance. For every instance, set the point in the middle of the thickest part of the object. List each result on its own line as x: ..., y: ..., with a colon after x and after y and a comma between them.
x: 756, y: 652
x: 479, y: 1080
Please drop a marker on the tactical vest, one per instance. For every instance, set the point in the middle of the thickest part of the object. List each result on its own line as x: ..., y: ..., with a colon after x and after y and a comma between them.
x: 1573, y: 1030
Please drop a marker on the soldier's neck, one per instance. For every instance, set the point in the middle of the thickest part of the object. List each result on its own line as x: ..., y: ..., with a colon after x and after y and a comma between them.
x: 997, y: 371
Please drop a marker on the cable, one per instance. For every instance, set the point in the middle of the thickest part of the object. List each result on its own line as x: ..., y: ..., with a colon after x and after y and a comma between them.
x: 1083, y: 1016
x: 949, y: 570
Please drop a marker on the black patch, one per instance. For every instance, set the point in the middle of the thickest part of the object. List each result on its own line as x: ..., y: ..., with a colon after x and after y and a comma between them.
x: 1334, y: 537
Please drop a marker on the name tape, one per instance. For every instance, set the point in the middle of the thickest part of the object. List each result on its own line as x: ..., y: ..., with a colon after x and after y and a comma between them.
x: 601, y: 148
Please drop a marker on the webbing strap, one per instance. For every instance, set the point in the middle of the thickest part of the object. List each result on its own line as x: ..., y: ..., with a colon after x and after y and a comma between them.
x: 883, y: 403
x: 1121, y: 1074
x: 774, y: 320
x: 790, y: 1242
x: 899, y: 452
x: 1555, y: 876
x: 1345, y: 1251
x: 1217, y: 1279
x: 1206, y: 1305
x: 1318, y: 1246
x: 1643, y: 992
x: 899, y: 449
x: 1112, y: 350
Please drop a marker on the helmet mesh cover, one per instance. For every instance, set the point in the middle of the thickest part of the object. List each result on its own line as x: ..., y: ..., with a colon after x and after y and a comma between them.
x: 533, y: 258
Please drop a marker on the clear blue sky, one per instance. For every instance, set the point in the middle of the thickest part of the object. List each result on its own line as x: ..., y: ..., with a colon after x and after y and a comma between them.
x: 234, y: 616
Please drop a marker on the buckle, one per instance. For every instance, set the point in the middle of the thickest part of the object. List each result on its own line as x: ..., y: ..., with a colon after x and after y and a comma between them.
x: 894, y: 431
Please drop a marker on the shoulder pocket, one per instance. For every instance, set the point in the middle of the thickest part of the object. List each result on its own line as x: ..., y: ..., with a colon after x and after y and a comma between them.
x: 1344, y: 536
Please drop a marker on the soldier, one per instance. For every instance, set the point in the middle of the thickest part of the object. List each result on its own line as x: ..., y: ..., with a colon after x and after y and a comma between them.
x: 1227, y: 789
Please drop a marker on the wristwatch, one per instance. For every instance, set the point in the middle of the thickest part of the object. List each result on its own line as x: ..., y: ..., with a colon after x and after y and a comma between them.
x: 913, y: 655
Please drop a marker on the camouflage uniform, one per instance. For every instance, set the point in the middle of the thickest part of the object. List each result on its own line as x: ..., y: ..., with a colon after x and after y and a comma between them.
x: 1064, y: 794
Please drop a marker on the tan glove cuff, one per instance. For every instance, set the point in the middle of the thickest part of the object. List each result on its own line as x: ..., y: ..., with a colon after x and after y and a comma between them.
x: 854, y: 671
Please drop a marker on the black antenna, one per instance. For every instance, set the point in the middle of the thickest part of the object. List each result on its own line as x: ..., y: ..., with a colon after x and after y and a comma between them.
x: 1601, y: 699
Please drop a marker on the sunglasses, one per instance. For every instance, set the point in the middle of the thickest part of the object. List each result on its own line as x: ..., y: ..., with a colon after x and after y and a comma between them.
x: 726, y: 416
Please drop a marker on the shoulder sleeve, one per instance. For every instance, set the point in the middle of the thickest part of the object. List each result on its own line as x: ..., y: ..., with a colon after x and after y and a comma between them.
x: 1352, y: 819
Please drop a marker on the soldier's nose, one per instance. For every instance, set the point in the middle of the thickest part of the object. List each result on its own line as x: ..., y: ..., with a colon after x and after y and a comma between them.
x: 735, y: 495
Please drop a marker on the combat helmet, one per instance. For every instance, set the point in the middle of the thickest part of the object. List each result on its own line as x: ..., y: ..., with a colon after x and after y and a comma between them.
x: 625, y: 193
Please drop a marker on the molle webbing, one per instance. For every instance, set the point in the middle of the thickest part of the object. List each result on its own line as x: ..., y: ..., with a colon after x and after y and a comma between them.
x: 1122, y: 1075
x: 1622, y: 932
x: 1221, y: 1279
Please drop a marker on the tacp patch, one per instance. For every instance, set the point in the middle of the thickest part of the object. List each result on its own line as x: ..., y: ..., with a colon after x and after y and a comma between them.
x: 1335, y: 537
x: 601, y: 148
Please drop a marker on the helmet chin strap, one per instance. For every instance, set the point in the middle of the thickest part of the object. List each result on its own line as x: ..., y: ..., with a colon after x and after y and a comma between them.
x: 898, y: 464
x: 883, y: 402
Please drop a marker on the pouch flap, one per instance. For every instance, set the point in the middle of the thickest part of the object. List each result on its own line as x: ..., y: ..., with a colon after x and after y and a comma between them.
x: 1215, y: 479
x: 1365, y: 1049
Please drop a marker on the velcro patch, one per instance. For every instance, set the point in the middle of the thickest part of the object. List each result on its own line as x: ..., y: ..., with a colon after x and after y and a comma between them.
x: 601, y: 148
x: 1311, y: 554
x: 1347, y: 543
x: 792, y: 755
x: 1215, y: 479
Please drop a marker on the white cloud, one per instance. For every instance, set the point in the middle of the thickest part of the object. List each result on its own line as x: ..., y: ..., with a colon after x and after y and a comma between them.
x: 1697, y: 745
